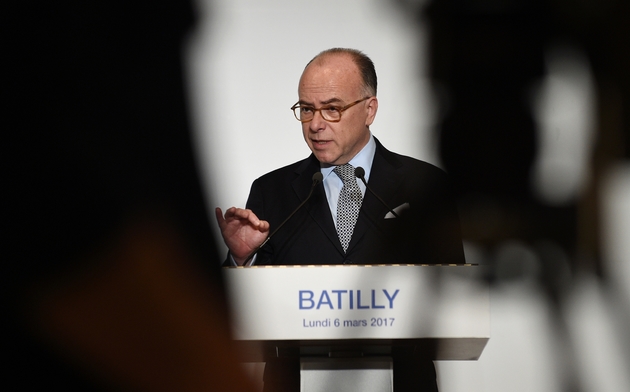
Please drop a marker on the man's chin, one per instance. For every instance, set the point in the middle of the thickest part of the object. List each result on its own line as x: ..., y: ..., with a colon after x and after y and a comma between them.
x: 327, y: 162
x: 323, y: 158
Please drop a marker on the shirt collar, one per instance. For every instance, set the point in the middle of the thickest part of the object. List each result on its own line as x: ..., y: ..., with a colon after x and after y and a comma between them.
x: 364, y: 159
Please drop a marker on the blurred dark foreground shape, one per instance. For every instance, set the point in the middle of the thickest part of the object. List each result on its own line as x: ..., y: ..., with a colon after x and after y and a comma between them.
x: 110, y: 277
x: 486, y: 59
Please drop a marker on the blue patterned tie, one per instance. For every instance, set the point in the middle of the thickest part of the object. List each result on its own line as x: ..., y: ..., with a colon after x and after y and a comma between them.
x: 349, y: 204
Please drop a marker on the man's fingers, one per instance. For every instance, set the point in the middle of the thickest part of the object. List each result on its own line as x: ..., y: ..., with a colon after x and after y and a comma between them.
x: 263, y: 226
x: 248, y: 215
x: 219, y: 215
x: 233, y: 213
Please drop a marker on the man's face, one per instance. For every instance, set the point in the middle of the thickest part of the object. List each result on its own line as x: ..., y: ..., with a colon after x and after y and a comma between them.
x: 336, y: 81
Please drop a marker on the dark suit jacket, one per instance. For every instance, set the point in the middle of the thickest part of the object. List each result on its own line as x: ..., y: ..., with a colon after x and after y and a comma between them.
x: 427, y: 232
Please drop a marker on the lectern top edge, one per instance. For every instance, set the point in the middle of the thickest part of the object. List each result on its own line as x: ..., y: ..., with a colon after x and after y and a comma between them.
x: 354, y: 265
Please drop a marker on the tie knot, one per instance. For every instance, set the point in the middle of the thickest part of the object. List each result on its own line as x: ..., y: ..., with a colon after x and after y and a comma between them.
x: 346, y: 173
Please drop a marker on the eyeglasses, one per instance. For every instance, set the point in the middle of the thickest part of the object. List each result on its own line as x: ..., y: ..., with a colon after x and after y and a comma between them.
x: 330, y: 113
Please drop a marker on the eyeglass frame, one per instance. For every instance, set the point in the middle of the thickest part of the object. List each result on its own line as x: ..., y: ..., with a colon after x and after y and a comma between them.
x: 341, y: 110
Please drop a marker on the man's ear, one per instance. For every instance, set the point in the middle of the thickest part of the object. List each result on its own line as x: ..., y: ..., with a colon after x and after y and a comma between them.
x: 372, y: 108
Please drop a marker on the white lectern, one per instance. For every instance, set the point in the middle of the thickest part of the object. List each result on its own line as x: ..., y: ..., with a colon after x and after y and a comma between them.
x: 340, y: 320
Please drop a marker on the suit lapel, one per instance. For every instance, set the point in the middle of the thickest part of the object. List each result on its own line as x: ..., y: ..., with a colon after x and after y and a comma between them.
x: 317, y: 207
x: 385, y: 180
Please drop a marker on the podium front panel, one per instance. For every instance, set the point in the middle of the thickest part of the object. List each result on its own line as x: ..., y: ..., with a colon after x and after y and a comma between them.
x: 380, y: 304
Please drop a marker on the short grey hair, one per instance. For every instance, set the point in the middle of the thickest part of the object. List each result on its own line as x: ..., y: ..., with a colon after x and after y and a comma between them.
x: 361, y: 60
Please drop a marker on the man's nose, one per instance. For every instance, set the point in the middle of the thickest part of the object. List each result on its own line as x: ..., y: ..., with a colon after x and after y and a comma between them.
x: 317, y: 123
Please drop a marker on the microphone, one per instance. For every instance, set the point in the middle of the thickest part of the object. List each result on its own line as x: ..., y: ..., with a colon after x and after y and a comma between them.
x: 317, y: 178
x: 359, y: 172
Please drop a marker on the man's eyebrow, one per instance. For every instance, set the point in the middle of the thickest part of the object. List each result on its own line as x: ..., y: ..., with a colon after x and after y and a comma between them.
x: 327, y: 102
x: 332, y: 100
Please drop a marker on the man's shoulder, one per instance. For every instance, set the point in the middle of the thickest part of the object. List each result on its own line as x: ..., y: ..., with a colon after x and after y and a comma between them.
x: 409, y: 164
x: 418, y: 163
x: 288, y: 172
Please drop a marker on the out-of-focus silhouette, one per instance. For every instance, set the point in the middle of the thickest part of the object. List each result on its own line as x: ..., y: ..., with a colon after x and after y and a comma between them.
x: 110, y: 275
x: 485, y: 58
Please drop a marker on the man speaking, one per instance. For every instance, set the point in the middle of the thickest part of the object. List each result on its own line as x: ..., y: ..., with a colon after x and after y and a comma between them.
x: 368, y: 205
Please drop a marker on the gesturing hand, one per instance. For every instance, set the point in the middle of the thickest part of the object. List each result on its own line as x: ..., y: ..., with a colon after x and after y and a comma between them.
x: 242, y: 231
